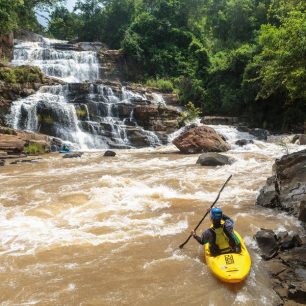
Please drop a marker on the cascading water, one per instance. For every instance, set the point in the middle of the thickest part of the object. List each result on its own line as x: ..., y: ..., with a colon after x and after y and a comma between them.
x: 90, y: 118
x: 67, y: 65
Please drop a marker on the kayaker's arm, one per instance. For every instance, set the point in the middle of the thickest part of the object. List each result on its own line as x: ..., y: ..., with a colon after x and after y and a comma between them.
x: 203, y: 239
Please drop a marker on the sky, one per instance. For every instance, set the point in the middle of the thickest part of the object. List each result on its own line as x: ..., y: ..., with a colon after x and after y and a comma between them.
x: 69, y: 4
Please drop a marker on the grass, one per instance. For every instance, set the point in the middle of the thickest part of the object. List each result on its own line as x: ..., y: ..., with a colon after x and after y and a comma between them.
x: 47, y: 119
x: 81, y: 113
x: 34, y: 148
x: 21, y: 74
x: 163, y: 85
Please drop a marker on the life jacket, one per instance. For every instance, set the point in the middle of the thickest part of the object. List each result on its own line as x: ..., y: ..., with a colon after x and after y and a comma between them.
x: 220, y: 239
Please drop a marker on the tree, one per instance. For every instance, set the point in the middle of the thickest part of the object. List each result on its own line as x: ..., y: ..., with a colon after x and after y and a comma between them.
x: 64, y: 24
x: 8, y: 15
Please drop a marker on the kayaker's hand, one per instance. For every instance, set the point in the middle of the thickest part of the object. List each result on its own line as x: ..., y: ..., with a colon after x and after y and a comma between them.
x: 208, y: 210
x: 193, y: 233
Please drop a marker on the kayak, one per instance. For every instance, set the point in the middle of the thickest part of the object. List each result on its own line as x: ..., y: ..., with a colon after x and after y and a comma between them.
x: 229, y: 267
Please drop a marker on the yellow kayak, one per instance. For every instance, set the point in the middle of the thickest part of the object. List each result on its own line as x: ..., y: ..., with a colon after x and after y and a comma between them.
x: 230, y: 267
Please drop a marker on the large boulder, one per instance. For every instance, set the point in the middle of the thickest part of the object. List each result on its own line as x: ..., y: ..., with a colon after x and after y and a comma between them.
x: 302, y: 139
x: 267, y: 242
x: 287, y: 269
x: 200, y: 139
x: 213, y: 159
x: 286, y: 189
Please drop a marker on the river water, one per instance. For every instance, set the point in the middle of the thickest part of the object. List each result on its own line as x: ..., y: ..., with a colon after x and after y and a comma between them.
x: 106, y: 231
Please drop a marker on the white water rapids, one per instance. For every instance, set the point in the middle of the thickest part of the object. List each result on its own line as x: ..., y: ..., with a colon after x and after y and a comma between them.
x: 97, y: 231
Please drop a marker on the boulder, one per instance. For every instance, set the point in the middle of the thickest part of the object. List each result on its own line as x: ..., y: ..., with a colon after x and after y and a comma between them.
x: 287, y: 270
x: 302, y: 139
x: 297, y: 292
x: 213, y: 159
x: 302, y: 212
x: 243, y: 142
x: 267, y: 242
x: 286, y: 189
x: 200, y: 139
x: 260, y: 134
x: 11, y: 144
x: 73, y: 155
x: 109, y: 153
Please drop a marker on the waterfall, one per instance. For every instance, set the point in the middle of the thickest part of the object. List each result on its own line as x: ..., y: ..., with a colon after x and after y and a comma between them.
x: 88, y: 114
x: 67, y: 65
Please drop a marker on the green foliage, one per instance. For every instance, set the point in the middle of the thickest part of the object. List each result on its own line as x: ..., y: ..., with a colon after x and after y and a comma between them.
x: 64, y: 24
x: 34, y: 148
x: 46, y: 119
x: 190, y: 114
x: 21, y: 74
x: 233, y: 57
x: 8, y: 15
x: 163, y: 85
x: 190, y: 89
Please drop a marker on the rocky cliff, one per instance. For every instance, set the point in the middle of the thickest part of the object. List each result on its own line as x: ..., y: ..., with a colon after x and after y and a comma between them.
x: 19, y: 82
x: 286, y: 189
x: 6, y: 46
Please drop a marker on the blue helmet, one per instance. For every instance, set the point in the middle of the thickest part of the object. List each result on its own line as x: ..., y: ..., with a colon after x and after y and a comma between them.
x: 216, y: 213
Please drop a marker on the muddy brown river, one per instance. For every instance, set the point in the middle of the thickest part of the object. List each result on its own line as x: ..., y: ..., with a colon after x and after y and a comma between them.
x: 106, y: 231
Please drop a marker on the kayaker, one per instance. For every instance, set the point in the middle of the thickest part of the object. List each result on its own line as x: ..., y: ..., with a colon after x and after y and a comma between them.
x: 220, y: 235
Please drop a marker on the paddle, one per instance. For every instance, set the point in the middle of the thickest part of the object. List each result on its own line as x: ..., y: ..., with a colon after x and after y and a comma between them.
x: 212, y: 205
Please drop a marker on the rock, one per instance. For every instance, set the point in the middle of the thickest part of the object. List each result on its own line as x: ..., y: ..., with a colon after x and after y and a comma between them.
x: 290, y: 242
x: 286, y: 190
x: 295, y: 138
x: 24, y: 161
x: 215, y: 120
x: 302, y: 139
x: 2, y: 162
x: 109, y: 153
x: 302, y: 213
x: 260, y: 134
x: 297, y: 292
x: 11, y: 144
x: 267, y: 242
x: 157, y: 118
x: 73, y: 155
x: 243, y: 142
x: 213, y: 159
x: 200, y: 139
x: 268, y: 195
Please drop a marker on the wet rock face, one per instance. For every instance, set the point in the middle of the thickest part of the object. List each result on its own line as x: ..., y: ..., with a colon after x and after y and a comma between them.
x: 200, y: 139
x: 109, y: 153
x: 243, y: 142
x: 13, y: 142
x: 286, y: 189
x: 286, y: 262
x: 73, y: 155
x: 213, y: 159
x: 157, y: 118
x: 6, y: 46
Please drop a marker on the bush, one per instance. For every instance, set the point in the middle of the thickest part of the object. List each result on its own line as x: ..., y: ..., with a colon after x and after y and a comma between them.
x: 163, y: 85
x: 192, y: 112
x: 21, y: 74
x: 34, y: 148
